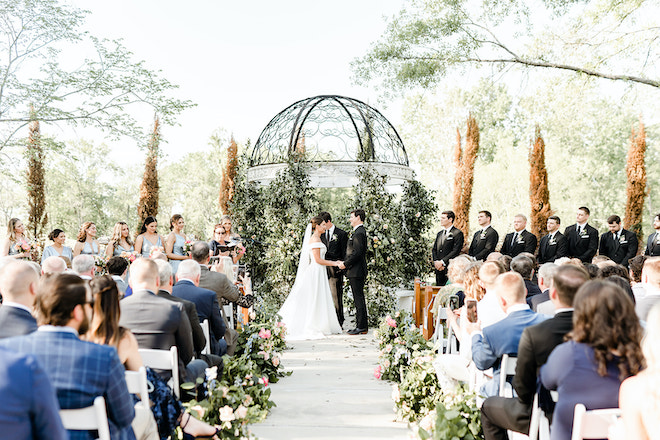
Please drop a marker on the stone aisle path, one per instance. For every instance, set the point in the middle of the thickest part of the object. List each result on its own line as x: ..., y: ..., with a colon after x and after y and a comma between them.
x: 332, y: 394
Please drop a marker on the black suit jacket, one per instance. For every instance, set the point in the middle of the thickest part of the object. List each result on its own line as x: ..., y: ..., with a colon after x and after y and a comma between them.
x: 621, y: 250
x: 336, y: 249
x: 583, y: 247
x: 526, y: 242
x: 534, y: 301
x: 207, y: 308
x: 356, y: 254
x: 536, y: 344
x: 550, y: 251
x: 652, y: 246
x: 199, y: 340
x: 448, y: 246
x: 481, y: 247
x: 16, y: 322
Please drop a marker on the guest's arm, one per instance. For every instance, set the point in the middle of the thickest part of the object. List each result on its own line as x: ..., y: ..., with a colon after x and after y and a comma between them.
x: 45, y: 408
x: 482, y: 353
x: 183, y: 337
x: 199, y: 340
x: 217, y: 323
x: 559, y: 364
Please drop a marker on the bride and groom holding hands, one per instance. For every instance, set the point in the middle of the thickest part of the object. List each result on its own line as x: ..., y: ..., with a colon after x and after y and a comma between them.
x: 314, y: 306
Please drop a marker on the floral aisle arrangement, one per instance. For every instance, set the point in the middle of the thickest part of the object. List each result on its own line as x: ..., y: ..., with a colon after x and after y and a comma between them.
x: 419, y: 390
x: 455, y: 416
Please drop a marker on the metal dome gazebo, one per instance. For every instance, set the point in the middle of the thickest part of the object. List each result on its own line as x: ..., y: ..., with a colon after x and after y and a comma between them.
x: 337, y: 135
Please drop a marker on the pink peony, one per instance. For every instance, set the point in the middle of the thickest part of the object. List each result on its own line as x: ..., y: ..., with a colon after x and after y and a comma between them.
x: 264, y: 333
x: 391, y: 322
x: 25, y: 246
x: 377, y: 372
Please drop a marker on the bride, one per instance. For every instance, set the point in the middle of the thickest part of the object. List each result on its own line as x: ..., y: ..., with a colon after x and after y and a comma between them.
x: 308, y: 311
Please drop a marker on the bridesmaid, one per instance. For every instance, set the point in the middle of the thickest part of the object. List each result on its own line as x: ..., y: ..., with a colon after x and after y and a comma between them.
x: 148, y: 238
x: 175, y: 241
x: 86, y: 243
x: 15, y: 237
x: 120, y: 241
x: 57, y: 249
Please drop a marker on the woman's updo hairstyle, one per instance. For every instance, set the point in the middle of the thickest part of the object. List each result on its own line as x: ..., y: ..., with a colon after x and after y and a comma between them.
x: 315, y: 221
x: 175, y: 218
x: 54, y: 234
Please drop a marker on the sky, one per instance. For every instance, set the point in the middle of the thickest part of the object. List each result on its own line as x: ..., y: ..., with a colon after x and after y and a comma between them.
x: 242, y: 62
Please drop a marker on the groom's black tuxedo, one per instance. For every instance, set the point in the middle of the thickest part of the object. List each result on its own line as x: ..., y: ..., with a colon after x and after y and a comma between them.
x: 356, y: 271
x: 620, y: 250
x: 336, y: 246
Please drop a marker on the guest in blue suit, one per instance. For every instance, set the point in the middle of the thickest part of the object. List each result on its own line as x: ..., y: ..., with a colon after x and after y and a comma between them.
x: 29, y: 407
x: 78, y: 370
x: 205, y: 300
x: 489, y: 345
x: 604, y: 350
x: 18, y: 284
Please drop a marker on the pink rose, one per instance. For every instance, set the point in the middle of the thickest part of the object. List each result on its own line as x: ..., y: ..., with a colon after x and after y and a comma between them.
x: 264, y: 381
x: 377, y: 372
x: 264, y: 333
x: 391, y: 322
x: 25, y: 246
x: 276, y: 361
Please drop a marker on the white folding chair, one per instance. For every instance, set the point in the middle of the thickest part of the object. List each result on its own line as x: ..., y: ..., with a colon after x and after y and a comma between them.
x: 539, y: 425
x: 229, y: 314
x: 594, y: 423
x: 507, y: 368
x: 207, y: 335
x: 163, y: 360
x: 444, y: 345
x: 136, y: 381
x: 87, y: 419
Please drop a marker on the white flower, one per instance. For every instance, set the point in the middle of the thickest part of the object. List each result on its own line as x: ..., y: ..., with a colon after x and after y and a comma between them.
x: 226, y: 414
x: 240, y: 412
x: 396, y: 394
x: 211, y: 373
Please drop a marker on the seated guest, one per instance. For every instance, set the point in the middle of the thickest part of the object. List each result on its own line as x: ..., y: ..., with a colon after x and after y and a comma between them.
x: 205, y: 300
x: 84, y: 266
x: 494, y: 341
x: 601, y: 260
x: 158, y: 323
x: 456, y: 275
x: 499, y: 414
x: 613, y: 270
x: 635, y: 266
x: 53, y: 265
x: 602, y: 351
x: 638, y: 396
x: 488, y: 308
x: 78, y: 370
x: 505, y: 260
x: 525, y: 267
x: 29, y: 407
x: 651, y: 280
x: 18, y: 284
x: 117, y: 267
x: 546, y: 272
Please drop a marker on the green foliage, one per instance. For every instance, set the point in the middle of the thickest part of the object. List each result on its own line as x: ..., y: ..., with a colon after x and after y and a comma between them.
x: 456, y: 416
x: 419, y: 390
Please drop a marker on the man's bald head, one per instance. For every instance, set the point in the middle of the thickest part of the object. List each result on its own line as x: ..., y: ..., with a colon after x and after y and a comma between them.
x: 53, y: 264
x: 19, y: 283
x: 489, y: 272
x: 144, y: 275
x: 510, y: 287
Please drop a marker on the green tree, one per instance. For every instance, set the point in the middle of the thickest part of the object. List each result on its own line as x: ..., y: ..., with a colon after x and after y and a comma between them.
x: 97, y: 91
x: 149, y: 188
x: 36, y: 184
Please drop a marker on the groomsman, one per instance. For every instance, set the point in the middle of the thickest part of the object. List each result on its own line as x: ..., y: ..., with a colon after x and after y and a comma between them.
x: 335, y: 240
x: 448, y: 245
x: 582, y: 237
x: 653, y: 242
x: 618, y: 244
x: 520, y: 240
x: 485, y: 239
x: 554, y: 244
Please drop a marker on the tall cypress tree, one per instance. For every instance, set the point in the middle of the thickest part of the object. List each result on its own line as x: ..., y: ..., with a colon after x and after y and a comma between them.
x: 228, y: 185
x: 148, y: 204
x: 636, y: 182
x: 36, y: 184
x: 464, y: 159
x: 539, y: 194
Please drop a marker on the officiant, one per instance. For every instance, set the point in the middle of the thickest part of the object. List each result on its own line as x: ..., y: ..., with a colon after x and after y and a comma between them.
x: 335, y: 240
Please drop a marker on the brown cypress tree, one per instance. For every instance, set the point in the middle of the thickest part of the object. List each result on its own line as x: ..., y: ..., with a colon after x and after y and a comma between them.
x: 227, y: 185
x: 148, y: 204
x: 464, y: 160
x: 539, y: 194
x: 636, y: 182
x: 36, y: 184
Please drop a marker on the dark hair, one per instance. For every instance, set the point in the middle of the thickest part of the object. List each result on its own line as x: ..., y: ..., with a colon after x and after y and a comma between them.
x: 567, y: 280
x: 614, y: 270
x: 175, y: 218
x: 505, y: 261
x: 592, y: 270
x: 315, y: 221
x: 624, y: 284
x: 325, y: 216
x: 54, y: 234
x: 657, y: 216
x: 200, y: 251
x: 523, y: 265
x: 147, y: 221
x: 105, y: 323
x: 636, y: 264
x: 487, y: 214
x: 555, y: 218
x: 117, y: 265
x: 605, y: 319
x: 450, y: 215
x: 585, y: 209
x: 57, y: 296
x: 359, y: 213
x: 614, y: 219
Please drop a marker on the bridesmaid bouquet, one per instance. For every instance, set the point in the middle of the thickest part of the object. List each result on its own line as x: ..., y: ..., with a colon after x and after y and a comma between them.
x: 30, y: 250
x: 100, y: 264
x: 155, y: 249
x: 187, y: 247
x: 129, y: 256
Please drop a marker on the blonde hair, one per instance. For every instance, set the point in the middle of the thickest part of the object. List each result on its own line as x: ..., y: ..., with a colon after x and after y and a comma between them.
x: 472, y: 288
x: 226, y: 264
x: 11, y: 233
x: 116, y: 235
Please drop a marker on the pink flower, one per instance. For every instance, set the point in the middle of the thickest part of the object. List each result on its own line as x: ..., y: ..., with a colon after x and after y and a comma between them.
x: 264, y: 333
x: 377, y: 372
x: 276, y: 361
x: 391, y: 322
x: 264, y: 381
x: 25, y: 246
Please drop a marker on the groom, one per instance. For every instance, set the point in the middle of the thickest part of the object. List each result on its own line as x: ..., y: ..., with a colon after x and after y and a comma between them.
x: 335, y: 240
x: 356, y: 265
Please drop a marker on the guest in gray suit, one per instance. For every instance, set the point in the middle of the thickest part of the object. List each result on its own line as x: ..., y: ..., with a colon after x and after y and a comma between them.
x: 156, y: 322
x: 651, y: 279
x: 18, y: 284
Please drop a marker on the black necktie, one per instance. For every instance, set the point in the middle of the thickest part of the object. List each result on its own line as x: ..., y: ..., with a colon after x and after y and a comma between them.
x: 515, y: 236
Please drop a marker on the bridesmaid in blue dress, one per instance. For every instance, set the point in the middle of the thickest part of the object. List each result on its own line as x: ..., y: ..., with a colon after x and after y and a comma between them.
x: 120, y: 241
x: 148, y: 238
x: 57, y: 249
x: 86, y: 243
x: 175, y: 241
x: 15, y: 237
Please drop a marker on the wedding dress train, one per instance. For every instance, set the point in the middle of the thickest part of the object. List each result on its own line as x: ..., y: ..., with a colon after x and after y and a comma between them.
x: 308, y: 311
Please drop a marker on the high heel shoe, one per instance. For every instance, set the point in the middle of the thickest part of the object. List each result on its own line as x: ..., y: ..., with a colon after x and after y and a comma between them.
x: 187, y: 436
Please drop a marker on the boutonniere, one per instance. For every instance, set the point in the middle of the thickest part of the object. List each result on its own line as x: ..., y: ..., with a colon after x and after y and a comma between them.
x: 334, y: 237
x: 622, y: 240
x: 483, y: 235
x: 520, y: 240
x: 552, y: 241
x: 450, y: 236
x: 583, y: 233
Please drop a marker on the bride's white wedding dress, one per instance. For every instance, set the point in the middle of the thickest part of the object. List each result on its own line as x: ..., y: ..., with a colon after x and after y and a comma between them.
x: 308, y: 311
